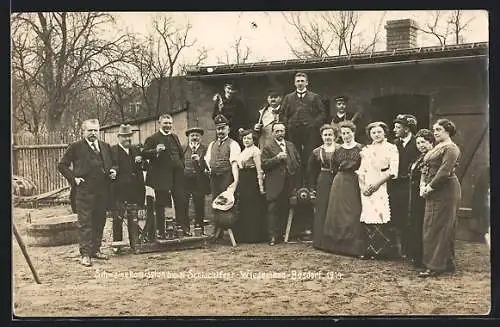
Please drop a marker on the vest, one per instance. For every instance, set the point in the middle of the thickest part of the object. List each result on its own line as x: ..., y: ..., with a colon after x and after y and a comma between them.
x: 172, y: 147
x: 189, y: 168
x: 303, y: 112
x: 219, y: 157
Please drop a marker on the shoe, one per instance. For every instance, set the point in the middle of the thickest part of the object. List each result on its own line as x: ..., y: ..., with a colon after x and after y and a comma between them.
x: 100, y: 256
x: 428, y: 273
x: 188, y: 234
x: 272, y: 241
x: 363, y: 257
x: 85, y: 261
x: 206, y: 222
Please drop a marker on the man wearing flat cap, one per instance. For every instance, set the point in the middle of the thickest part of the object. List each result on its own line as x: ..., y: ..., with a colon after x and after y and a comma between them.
x: 196, y: 181
x: 128, y: 187
x: 268, y: 115
x: 221, y: 159
x: 166, y: 174
x: 233, y: 108
x: 405, y: 126
x: 340, y: 113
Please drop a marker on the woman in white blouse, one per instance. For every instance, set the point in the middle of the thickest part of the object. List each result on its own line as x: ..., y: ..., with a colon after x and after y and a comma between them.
x: 251, y: 224
x: 379, y: 163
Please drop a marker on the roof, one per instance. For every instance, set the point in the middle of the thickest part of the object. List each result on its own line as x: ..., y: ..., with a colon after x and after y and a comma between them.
x: 141, y: 120
x: 399, y: 55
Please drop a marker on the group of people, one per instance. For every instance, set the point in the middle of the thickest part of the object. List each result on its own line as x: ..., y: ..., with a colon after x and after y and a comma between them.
x: 386, y: 199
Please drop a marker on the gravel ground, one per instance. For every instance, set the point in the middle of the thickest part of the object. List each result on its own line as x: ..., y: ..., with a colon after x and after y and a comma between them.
x: 253, y: 279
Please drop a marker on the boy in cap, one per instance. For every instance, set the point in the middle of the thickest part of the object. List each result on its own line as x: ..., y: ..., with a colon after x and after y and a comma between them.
x: 128, y: 187
x: 196, y: 182
x: 221, y: 159
x: 233, y: 109
x: 340, y: 113
x: 404, y: 128
x: 268, y: 115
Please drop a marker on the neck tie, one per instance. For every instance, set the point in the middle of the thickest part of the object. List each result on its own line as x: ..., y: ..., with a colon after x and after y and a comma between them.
x: 94, y: 147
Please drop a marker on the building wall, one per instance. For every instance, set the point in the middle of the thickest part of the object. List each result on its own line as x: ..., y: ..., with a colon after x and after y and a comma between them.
x: 458, y: 91
x: 145, y: 129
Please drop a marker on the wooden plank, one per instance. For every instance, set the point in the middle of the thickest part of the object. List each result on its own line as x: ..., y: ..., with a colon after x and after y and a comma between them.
x: 40, y: 146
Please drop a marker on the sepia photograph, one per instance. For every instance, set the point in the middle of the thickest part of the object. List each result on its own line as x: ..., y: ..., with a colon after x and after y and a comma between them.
x: 250, y: 163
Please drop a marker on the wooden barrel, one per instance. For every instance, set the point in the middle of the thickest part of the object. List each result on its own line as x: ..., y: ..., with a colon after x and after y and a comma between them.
x: 53, y: 231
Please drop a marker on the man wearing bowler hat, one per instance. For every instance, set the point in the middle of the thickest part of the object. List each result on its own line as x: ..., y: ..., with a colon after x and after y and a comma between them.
x: 233, y: 108
x: 221, y: 159
x: 196, y: 181
x: 128, y: 187
x: 88, y: 167
x: 405, y: 127
x: 166, y: 174
x: 268, y: 115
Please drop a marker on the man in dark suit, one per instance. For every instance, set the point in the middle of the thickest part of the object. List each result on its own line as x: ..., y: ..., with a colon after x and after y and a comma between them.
x: 268, y: 115
x: 128, y: 187
x: 90, y: 178
x: 166, y: 174
x: 233, y: 109
x: 405, y: 127
x: 281, y: 164
x: 196, y: 181
x: 303, y: 115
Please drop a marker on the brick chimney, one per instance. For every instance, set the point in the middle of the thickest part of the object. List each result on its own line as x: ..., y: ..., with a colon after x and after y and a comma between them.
x: 401, y: 34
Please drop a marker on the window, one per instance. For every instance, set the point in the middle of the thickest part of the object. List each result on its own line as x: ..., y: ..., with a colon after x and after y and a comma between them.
x: 135, y: 107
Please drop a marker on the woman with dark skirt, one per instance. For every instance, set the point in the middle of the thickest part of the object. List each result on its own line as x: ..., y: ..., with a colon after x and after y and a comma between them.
x: 379, y: 163
x: 251, y: 224
x: 442, y: 193
x: 320, y: 174
x: 343, y: 232
x: 425, y: 142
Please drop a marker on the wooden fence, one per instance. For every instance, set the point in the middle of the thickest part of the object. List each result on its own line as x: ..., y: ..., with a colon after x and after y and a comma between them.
x: 36, y: 159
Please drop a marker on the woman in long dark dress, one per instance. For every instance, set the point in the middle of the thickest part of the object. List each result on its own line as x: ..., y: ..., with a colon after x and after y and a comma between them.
x: 251, y: 224
x: 441, y: 189
x: 320, y: 174
x: 425, y: 142
x: 343, y: 231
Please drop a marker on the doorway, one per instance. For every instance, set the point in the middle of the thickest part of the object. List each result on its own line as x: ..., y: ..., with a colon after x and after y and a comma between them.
x: 386, y: 108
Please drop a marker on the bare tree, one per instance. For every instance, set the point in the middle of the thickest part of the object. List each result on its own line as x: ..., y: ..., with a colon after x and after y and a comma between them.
x: 315, y: 41
x: 63, y: 50
x: 446, y: 24
x: 201, y: 57
x: 331, y: 33
x: 458, y: 25
x: 238, y: 53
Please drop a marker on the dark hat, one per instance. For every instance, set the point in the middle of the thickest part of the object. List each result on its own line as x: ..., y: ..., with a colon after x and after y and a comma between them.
x: 274, y: 91
x: 232, y: 84
x: 408, y: 120
x: 125, y: 130
x: 194, y: 130
x: 341, y: 98
x: 220, y: 120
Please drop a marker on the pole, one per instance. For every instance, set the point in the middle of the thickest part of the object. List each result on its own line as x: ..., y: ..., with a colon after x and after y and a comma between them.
x: 25, y: 253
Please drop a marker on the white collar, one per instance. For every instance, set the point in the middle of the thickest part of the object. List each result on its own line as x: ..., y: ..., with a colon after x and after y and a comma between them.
x: 220, y: 141
x: 96, y: 142
x: 348, y: 147
x: 303, y: 92
x: 124, y: 149
x: 341, y: 114
x: 279, y: 142
x: 161, y: 131
x: 194, y: 145
x: 406, y: 139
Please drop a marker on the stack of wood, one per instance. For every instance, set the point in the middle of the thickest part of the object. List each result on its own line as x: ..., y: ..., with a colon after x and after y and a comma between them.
x: 23, y: 191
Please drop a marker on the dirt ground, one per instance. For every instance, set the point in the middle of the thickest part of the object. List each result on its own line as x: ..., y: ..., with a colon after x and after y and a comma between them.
x: 255, y: 279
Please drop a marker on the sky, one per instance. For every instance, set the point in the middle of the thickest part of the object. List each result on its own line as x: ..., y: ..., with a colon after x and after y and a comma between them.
x: 268, y: 41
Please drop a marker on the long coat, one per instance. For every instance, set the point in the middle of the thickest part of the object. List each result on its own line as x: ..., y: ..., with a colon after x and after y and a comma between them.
x: 129, y: 183
x: 276, y: 170
x: 84, y: 164
x: 160, y: 176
